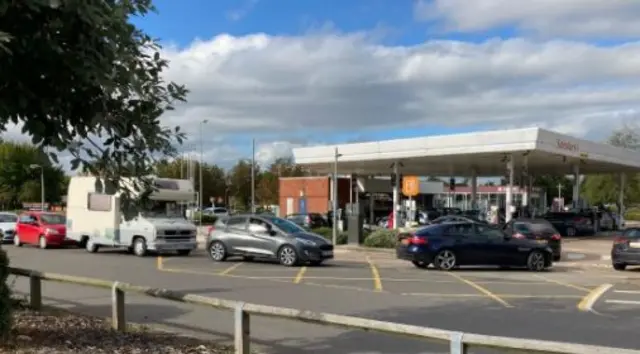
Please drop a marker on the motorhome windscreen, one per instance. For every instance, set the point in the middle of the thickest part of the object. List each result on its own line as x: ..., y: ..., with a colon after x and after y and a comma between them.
x: 162, y: 209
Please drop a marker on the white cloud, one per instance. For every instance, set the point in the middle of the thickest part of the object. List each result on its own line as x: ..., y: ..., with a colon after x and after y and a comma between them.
x: 269, y: 152
x: 329, y: 83
x: 574, y: 18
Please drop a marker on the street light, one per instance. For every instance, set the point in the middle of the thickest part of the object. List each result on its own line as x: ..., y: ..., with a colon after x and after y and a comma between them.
x: 202, y: 123
x: 334, y: 236
x: 34, y: 167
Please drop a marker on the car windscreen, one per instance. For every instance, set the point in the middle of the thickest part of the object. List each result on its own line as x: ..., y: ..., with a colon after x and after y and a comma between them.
x: 8, y: 218
x: 286, y: 225
x: 53, y: 219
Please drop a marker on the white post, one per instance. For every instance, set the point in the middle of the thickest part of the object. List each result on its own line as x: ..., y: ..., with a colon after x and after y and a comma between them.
x: 396, y: 194
x: 509, y: 192
x: 242, y: 331
x: 334, y: 197
x: 576, y: 185
x: 474, y: 190
x: 623, y: 180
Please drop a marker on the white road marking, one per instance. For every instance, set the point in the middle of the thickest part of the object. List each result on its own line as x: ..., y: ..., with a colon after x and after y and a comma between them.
x: 627, y: 292
x: 622, y: 302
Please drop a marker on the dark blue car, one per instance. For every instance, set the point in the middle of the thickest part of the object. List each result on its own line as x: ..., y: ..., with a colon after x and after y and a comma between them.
x: 450, y: 245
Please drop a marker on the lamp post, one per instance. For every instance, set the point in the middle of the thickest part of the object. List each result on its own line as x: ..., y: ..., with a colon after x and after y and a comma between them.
x: 200, y: 204
x: 334, y: 232
x: 253, y: 176
x: 34, y: 167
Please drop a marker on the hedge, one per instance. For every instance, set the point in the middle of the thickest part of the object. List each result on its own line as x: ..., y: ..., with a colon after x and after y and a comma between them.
x: 382, y: 238
x: 5, y: 297
x: 633, y: 214
x: 327, y: 233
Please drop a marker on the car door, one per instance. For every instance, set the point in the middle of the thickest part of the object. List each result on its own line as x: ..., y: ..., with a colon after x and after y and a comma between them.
x: 236, y: 235
x: 459, y: 237
x: 263, y: 242
x: 28, y: 228
x: 492, y: 244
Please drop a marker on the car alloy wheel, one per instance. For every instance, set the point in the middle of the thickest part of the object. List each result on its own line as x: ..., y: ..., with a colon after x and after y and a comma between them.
x: 445, y: 260
x: 16, y: 241
x: 288, y: 256
x: 217, y: 251
x: 536, y: 261
x: 42, y: 242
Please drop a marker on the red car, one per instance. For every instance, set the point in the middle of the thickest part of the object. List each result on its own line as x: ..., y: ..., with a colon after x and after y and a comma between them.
x: 42, y: 229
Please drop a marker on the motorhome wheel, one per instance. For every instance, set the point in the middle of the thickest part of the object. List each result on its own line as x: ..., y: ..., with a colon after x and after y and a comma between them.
x: 140, y: 247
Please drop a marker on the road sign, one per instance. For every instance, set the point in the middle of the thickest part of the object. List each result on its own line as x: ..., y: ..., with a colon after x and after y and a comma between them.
x: 410, y: 186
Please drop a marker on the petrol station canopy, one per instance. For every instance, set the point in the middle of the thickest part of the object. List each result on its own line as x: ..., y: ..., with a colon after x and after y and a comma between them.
x: 535, y: 150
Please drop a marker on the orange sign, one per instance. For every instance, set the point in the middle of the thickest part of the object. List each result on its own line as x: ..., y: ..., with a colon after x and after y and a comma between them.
x: 410, y: 186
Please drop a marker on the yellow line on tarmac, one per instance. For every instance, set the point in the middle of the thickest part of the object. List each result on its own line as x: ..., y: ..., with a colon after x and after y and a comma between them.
x: 377, y: 281
x: 562, y: 283
x: 300, y: 275
x: 587, y: 302
x: 230, y: 269
x: 159, y: 263
x: 481, y: 289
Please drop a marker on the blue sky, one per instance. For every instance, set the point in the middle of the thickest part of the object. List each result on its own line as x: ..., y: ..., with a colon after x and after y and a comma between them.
x: 455, y: 101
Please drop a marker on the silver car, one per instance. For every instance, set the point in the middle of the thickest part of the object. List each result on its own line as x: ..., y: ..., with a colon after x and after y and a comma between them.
x: 266, y: 236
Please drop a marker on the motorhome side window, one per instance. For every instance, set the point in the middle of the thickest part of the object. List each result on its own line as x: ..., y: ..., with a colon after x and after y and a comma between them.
x: 99, y: 202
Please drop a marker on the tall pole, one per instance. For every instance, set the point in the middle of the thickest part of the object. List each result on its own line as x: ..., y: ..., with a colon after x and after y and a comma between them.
x: 334, y: 197
x: 41, y: 188
x: 253, y: 175
x: 200, y: 202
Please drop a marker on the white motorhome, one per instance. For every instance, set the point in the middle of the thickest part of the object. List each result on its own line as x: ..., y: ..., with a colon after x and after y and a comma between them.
x: 94, y: 219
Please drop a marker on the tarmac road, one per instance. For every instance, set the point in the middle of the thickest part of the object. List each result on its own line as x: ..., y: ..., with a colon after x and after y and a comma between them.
x: 488, y: 301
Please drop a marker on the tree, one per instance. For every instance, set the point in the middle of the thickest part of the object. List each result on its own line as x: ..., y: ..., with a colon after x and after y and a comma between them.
x: 239, y: 178
x: 81, y: 77
x: 267, y: 189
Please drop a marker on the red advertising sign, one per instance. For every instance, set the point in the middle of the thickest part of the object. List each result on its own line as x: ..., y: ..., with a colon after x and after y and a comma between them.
x: 567, y: 145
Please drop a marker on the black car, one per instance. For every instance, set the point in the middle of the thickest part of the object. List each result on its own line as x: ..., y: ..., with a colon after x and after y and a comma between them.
x: 626, y: 249
x: 450, y: 245
x: 570, y: 223
x: 457, y: 218
x: 539, y: 230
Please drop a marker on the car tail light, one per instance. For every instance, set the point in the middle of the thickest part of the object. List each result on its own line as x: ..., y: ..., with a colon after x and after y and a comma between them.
x: 556, y: 237
x: 417, y: 240
x: 519, y: 235
x: 619, y: 240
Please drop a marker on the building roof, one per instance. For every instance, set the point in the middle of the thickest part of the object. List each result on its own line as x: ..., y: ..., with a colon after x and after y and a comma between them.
x: 485, y: 152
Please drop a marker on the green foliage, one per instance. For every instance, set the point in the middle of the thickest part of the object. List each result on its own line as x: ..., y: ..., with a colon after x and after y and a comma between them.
x: 327, y: 233
x: 632, y: 215
x: 81, y: 77
x: 5, y: 296
x: 382, y: 238
x: 240, y: 184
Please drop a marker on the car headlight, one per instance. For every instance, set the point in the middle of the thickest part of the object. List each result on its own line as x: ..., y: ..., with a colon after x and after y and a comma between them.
x: 306, y: 242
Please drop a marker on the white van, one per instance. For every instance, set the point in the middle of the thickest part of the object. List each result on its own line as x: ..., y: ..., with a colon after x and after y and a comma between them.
x: 94, y: 219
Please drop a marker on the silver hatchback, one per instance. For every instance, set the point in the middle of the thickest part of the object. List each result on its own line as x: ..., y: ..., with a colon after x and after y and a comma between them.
x: 267, y: 237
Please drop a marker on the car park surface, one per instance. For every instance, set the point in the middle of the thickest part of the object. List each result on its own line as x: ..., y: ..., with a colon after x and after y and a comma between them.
x: 373, y: 285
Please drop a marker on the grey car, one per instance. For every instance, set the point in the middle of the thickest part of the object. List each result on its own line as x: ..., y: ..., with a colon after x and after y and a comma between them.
x: 267, y: 237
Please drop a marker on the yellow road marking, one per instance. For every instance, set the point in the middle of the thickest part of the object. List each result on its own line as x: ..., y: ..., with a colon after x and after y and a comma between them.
x: 300, y: 275
x: 481, y: 289
x: 562, y: 283
x: 377, y: 281
x: 230, y: 269
x: 159, y: 263
x: 587, y: 302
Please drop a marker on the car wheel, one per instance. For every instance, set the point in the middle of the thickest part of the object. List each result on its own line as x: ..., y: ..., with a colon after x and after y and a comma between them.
x: 420, y: 264
x: 619, y: 266
x: 16, y: 241
x: 184, y: 252
x: 90, y: 246
x: 571, y: 232
x: 217, y: 251
x: 536, y: 261
x: 445, y: 260
x: 140, y: 247
x: 42, y: 243
x: 288, y: 256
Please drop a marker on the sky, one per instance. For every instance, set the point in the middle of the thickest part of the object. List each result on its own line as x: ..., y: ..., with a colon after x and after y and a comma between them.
x: 291, y: 73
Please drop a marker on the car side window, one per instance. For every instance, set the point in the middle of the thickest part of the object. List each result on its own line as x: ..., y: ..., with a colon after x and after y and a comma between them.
x: 458, y: 230
x: 490, y: 233
x: 27, y: 219
x: 632, y: 233
x: 237, y: 223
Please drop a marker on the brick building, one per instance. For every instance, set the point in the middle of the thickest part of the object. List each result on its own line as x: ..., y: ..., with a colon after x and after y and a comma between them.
x: 316, y: 191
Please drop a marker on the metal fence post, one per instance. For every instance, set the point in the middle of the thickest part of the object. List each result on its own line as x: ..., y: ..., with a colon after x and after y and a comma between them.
x: 35, y: 291
x: 242, y: 331
x: 457, y: 345
x: 118, y: 321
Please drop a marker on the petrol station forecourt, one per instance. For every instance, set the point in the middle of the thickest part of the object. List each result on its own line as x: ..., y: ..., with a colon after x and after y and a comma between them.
x: 516, y: 153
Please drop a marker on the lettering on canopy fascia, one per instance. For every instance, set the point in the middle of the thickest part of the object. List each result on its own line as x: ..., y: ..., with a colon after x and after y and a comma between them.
x: 567, y: 145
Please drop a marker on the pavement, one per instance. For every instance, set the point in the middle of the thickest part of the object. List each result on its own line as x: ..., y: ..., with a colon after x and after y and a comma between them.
x: 568, y: 303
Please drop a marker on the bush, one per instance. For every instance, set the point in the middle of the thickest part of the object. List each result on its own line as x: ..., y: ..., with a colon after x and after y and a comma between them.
x: 5, y: 297
x: 327, y: 233
x: 633, y: 215
x: 382, y: 238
